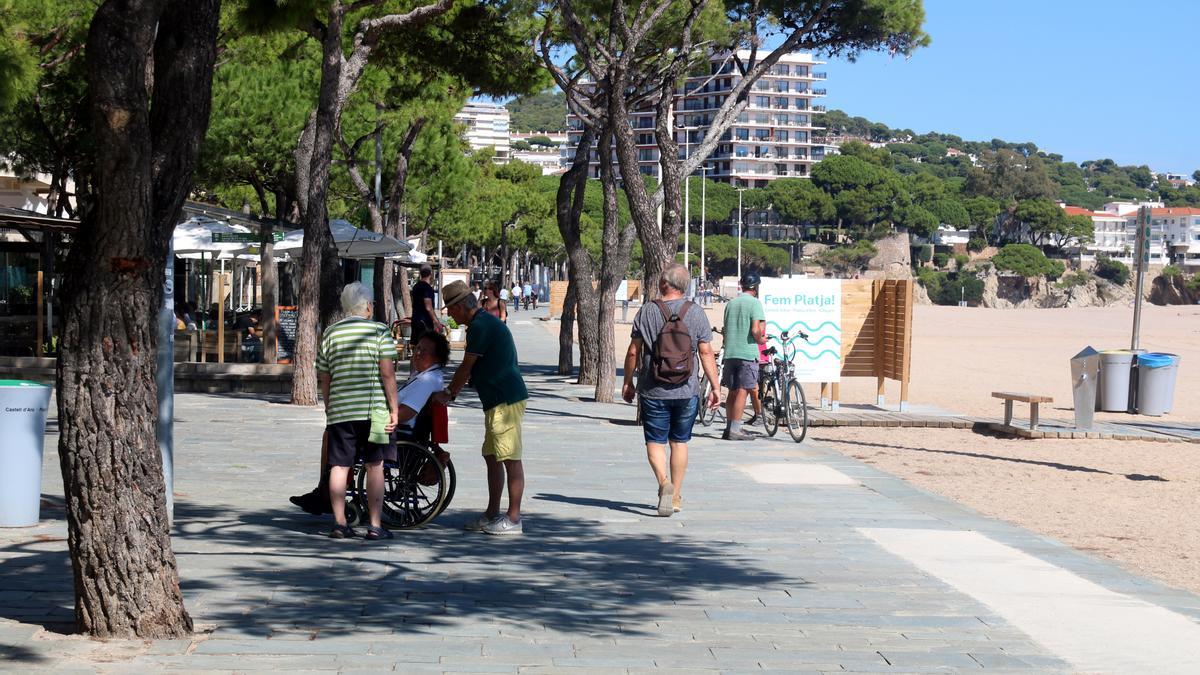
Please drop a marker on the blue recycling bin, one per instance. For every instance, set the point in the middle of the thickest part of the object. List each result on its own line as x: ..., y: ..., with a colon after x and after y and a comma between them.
x: 1156, y: 382
x: 23, y: 408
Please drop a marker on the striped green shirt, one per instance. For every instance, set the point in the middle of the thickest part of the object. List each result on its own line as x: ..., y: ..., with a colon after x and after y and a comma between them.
x: 350, y: 352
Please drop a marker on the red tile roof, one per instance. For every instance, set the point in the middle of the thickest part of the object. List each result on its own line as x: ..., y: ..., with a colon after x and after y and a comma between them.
x: 1077, y: 211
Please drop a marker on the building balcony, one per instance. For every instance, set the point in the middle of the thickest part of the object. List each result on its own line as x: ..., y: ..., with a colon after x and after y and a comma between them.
x: 818, y: 92
x: 819, y: 76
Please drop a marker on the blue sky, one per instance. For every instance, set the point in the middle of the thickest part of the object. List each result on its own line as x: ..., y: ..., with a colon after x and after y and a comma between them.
x: 1086, y: 79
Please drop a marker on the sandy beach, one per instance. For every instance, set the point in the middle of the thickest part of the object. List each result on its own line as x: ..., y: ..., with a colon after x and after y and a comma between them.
x: 1136, y: 503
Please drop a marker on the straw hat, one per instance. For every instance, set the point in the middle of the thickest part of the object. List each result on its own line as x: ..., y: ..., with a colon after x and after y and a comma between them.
x: 454, y: 292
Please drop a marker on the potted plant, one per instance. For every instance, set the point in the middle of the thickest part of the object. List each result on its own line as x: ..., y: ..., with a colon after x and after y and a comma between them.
x: 456, y: 331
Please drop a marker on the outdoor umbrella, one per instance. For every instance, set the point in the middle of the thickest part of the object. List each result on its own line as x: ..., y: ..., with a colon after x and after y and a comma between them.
x: 193, y: 238
x: 351, y: 242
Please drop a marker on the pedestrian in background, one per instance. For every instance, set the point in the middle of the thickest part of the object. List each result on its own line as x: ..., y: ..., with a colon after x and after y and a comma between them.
x: 516, y: 296
x: 424, y: 314
x: 745, y: 328
x: 668, y: 408
x: 490, y: 363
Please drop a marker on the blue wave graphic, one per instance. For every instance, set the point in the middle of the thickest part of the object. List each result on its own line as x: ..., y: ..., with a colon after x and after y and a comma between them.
x: 807, y: 328
x: 820, y: 354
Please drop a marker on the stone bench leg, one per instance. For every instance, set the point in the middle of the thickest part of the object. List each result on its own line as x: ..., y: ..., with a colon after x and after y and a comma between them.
x: 1008, y: 412
x: 1033, y: 416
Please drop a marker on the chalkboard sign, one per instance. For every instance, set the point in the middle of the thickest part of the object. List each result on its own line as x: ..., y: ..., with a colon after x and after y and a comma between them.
x: 286, y: 318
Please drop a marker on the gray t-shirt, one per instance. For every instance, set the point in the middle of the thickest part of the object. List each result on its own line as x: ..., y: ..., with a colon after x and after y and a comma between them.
x: 647, y: 325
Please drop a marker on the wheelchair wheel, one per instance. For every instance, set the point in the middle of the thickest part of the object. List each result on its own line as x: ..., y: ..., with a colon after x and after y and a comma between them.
x: 451, y: 482
x: 412, y: 494
x: 356, y: 511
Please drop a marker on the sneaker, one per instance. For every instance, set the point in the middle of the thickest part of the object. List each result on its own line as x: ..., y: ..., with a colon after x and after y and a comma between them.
x: 479, y: 522
x: 736, y: 436
x: 666, y: 492
x: 677, y: 504
x: 503, y: 526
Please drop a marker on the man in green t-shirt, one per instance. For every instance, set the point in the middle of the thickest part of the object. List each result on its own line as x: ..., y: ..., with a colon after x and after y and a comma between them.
x: 745, y: 329
x: 490, y: 363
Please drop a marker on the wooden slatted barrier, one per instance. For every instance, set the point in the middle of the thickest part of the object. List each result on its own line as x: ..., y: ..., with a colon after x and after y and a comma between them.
x: 876, y: 335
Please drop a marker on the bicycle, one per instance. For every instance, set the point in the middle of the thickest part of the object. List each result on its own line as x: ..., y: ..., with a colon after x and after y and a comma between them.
x: 778, y: 377
x: 704, y: 414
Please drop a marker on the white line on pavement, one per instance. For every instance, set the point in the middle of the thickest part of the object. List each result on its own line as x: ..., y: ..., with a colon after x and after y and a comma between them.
x: 796, y: 474
x: 1093, y: 628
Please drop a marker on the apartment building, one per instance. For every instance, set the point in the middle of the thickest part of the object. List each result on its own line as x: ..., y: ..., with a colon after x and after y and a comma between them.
x: 1179, y: 228
x: 1113, y: 236
x: 486, y: 127
x: 772, y: 137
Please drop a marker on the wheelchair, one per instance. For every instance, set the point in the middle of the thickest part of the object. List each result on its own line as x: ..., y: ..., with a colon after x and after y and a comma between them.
x: 418, y: 486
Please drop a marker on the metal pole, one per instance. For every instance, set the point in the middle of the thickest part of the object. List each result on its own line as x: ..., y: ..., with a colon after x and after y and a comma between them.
x: 1142, y: 247
x: 687, y: 201
x: 739, y: 248
x: 165, y: 381
x: 703, y: 202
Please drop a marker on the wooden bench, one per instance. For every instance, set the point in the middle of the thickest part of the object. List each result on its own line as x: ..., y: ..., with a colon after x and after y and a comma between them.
x: 1032, y: 399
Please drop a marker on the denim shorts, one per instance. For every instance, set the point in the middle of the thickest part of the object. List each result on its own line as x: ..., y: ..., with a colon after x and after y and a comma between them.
x: 668, y: 419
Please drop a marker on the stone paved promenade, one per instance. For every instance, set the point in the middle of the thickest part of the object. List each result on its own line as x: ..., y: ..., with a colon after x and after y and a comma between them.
x: 785, y: 558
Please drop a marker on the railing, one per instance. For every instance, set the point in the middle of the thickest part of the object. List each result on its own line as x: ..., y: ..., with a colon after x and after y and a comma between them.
x: 818, y: 92
x: 818, y: 108
x: 818, y: 76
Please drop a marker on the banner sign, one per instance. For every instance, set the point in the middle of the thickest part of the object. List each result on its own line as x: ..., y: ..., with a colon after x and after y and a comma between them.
x: 242, y: 237
x: 813, y: 306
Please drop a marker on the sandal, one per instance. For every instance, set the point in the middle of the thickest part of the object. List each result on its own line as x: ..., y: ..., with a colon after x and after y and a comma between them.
x: 342, y: 532
x: 377, y: 533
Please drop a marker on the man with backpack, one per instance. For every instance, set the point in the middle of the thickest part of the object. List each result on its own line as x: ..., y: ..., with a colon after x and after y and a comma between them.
x: 667, y: 335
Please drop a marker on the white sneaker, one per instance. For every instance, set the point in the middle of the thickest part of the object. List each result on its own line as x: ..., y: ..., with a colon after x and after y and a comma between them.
x: 666, y: 492
x: 479, y: 522
x: 503, y: 526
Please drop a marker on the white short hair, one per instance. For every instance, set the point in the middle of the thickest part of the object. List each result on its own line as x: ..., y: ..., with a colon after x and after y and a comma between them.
x: 356, y: 297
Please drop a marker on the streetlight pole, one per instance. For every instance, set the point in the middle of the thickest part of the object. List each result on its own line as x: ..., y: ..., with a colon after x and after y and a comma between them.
x: 703, y: 197
x: 739, y: 246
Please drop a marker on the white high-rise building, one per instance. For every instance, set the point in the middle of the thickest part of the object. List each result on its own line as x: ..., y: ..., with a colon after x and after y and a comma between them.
x: 771, y: 139
x: 487, y: 127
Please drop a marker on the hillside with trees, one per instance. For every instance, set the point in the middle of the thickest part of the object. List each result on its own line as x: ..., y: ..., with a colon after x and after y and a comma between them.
x: 545, y: 112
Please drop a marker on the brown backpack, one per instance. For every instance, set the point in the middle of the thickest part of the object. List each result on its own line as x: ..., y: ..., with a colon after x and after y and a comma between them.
x: 673, y: 358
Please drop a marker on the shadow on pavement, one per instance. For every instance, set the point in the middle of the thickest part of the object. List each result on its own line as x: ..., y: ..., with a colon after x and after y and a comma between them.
x: 627, y: 507
x: 563, y: 574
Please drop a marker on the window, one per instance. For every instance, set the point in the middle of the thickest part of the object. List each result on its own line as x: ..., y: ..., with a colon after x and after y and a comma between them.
x: 762, y: 151
x: 780, y: 69
x: 762, y: 134
x: 762, y: 101
x: 762, y: 118
x: 741, y: 134
x: 781, y: 120
x: 781, y: 135
x: 781, y: 85
x: 781, y: 102
x: 742, y: 151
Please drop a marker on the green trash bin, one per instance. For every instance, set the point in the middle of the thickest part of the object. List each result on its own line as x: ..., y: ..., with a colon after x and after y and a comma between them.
x: 23, y: 408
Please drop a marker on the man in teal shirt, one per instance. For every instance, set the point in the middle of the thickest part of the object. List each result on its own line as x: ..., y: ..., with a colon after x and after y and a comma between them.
x: 745, y: 329
x: 490, y: 363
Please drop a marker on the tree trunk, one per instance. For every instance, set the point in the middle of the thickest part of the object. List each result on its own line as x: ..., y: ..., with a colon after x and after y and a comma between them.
x: 126, y: 581
x: 617, y: 246
x: 566, y: 334
x: 568, y: 209
x: 315, y: 153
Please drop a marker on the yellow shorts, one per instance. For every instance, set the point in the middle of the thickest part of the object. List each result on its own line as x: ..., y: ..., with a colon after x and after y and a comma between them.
x: 502, y: 430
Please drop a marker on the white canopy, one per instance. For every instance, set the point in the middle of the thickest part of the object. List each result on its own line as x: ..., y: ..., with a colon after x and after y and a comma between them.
x: 193, y: 237
x: 351, y: 242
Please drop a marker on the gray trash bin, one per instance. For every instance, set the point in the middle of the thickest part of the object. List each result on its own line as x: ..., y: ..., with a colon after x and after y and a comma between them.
x: 23, y: 427
x: 1085, y: 374
x: 1156, y: 382
x: 1114, y: 379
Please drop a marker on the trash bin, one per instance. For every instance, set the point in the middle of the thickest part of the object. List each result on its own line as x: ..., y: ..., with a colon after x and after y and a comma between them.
x: 1156, y: 382
x: 1114, y: 379
x: 1085, y: 371
x: 23, y: 427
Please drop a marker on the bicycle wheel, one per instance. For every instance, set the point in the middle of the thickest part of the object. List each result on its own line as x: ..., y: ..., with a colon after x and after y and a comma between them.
x: 705, y: 414
x: 414, y: 488
x: 770, y: 408
x: 797, y: 411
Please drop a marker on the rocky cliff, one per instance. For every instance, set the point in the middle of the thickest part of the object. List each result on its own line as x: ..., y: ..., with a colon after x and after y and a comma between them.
x: 1008, y: 291
x: 1173, y: 291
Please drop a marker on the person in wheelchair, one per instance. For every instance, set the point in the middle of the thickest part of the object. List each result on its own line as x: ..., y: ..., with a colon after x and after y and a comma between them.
x: 429, y: 356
